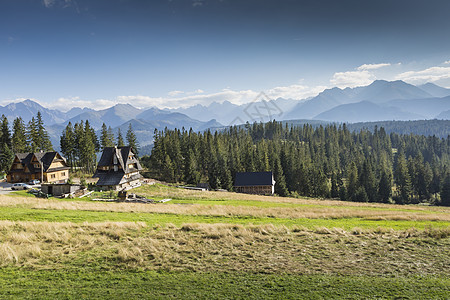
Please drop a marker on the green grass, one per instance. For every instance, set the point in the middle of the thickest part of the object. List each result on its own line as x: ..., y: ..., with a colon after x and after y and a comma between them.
x: 28, y: 214
x: 186, y: 263
x: 120, y: 284
x: 268, y: 204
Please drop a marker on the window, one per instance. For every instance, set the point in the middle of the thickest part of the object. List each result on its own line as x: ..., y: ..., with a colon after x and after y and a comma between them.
x: 63, y: 173
x: 52, y: 176
x: 37, y: 166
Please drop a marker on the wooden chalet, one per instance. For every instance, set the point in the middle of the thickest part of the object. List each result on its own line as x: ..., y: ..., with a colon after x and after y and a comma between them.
x: 118, y: 169
x: 261, y: 183
x: 44, y: 166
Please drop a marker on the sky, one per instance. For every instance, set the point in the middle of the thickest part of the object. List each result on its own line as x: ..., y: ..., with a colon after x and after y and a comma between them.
x: 179, y: 53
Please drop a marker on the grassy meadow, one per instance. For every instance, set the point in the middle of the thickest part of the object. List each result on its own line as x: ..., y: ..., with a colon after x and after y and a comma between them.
x: 215, y: 245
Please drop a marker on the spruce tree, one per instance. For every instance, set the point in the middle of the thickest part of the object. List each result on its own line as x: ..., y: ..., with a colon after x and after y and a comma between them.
x: 106, y: 140
x: 280, y: 180
x: 403, y: 179
x: 32, y: 136
x: 445, y: 191
x: 19, y: 140
x: 120, y: 142
x: 67, y: 144
x: 132, y: 140
x: 42, y: 138
x: 6, y: 154
x: 384, y: 188
x: 5, y: 136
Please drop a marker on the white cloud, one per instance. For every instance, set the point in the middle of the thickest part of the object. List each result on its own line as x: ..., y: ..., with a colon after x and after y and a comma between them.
x: 17, y: 100
x: 175, y: 93
x: 186, y: 99
x: 352, y: 78
x: 372, y: 66
x: 432, y: 74
x: 65, y: 104
x: 295, y: 91
x: 49, y: 3
x: 447, y: 62
x: 196, y: 3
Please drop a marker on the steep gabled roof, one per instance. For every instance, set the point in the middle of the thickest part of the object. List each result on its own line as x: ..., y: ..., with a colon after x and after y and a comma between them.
x: 254, y: 178
x: 44, y: 158
x: 122, y: 154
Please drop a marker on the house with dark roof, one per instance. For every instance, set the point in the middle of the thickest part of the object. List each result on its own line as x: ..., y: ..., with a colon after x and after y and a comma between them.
x: 44, y: 166
x: 261, y: 183
x: 118, y: 169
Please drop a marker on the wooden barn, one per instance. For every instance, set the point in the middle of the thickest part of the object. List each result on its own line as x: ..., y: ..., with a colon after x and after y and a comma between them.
x: 261, y: 183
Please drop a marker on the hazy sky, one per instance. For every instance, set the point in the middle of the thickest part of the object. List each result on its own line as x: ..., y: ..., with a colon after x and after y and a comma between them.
x: 168, y: 53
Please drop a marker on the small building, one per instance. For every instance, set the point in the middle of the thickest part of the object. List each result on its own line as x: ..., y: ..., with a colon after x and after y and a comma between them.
x: 118, y: 169
x: 59, y: 189
x: 43, y: 166
x: 261, y: 183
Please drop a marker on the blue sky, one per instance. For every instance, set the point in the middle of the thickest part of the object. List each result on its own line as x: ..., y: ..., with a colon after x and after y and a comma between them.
x: 168, y: 53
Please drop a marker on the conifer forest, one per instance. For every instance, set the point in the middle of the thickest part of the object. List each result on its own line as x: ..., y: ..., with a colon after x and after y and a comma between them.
x: 326, y: 161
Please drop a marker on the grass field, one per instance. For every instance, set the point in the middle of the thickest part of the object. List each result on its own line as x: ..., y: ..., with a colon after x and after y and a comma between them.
x: 215, y: 245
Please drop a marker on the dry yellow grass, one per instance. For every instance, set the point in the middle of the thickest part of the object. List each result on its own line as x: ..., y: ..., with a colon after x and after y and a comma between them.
x: 313, y: 211
x: 179, y: 193
x: 224, y: 247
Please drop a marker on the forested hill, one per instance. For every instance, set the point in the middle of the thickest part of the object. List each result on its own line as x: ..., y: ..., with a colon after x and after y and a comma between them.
x: 328, y: 161
x: 438, y: 128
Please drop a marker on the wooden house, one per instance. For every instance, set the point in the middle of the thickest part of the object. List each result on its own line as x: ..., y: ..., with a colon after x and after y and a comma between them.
x: 261, y: 183
x: 118, y: 169
x: 44, y: 166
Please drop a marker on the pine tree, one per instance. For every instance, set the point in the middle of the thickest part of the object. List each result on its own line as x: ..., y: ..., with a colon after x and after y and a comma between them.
x: 6, y: 154
x: 334, y: 192
x: 168, y: 170
x: 403, y: 179
x: 6, y: 158
x: 280, y: 180
x: 19, y: 140
x: 42, y: 138
x: 352, y: 182
x: 5, y: 136
x: 384, y: 187
x: 120, y: 142
x: 67, y: 144
x: 106, y: 140
x: 445, y: 191
x: 191, y: 172
x: 132, y: 141
x: 32, y: 136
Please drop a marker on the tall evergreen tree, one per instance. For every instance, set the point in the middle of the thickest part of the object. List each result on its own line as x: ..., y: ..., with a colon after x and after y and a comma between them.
x: 68, y: 144
x: 5, y: 136
x: 132, y: 140
x: 32, y: 136
x: 106, y: 140
x: 6, y: 154
x: 445, y: 191
x: 384, y: 187
x: 42, y: 138
x: 403, y: 179
x: 120, y: 142
x: 19, y: 140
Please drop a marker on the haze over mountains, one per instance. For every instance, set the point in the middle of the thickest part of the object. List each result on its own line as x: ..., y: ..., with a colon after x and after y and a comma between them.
x: 379, y: 101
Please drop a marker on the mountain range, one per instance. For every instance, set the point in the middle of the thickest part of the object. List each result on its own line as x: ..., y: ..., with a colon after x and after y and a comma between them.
x: 379, y: 101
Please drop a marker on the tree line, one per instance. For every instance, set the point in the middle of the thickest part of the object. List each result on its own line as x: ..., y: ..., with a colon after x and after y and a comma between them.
x: 30, y: 137
x: 326, y: 161
x: 79, y: 142
x: 80, y: 145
